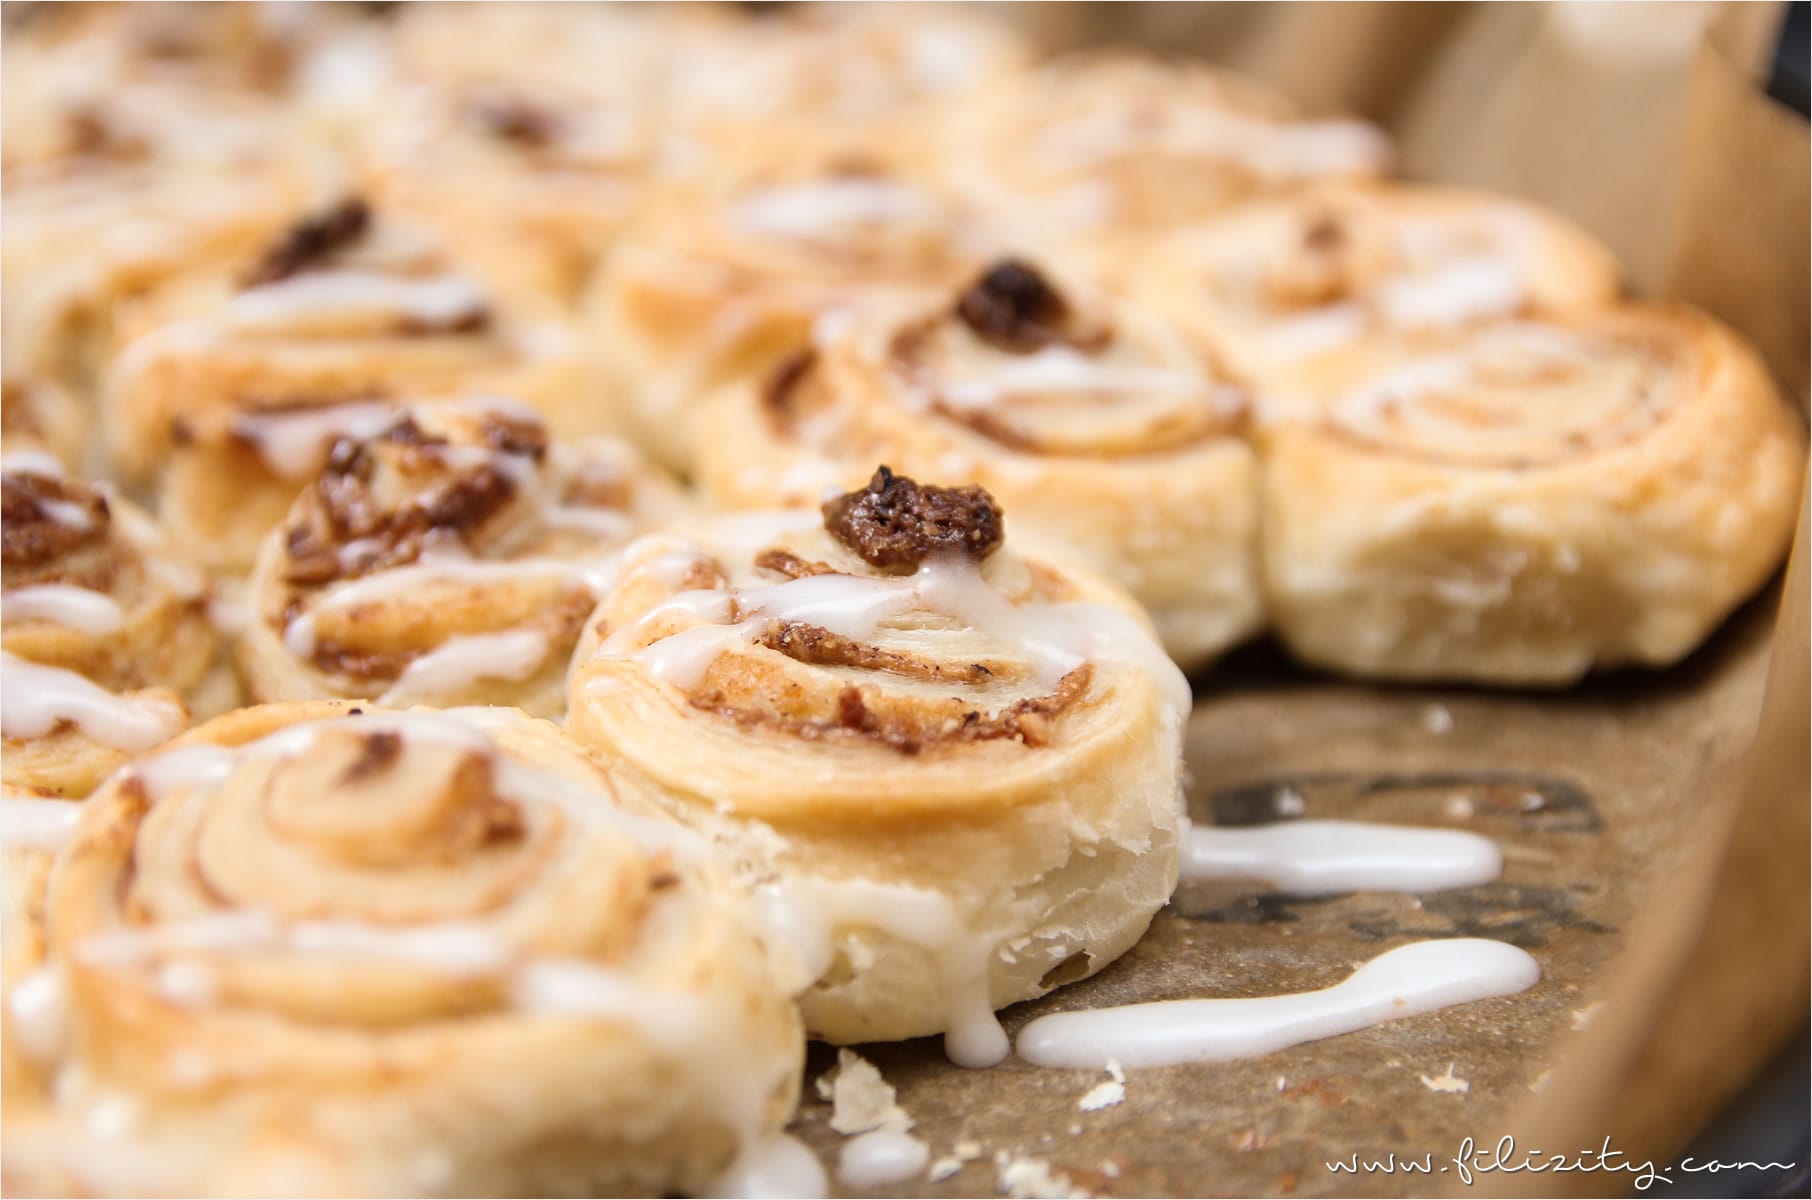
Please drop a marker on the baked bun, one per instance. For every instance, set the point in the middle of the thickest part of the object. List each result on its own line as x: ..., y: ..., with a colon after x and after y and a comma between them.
x: 1529, y: 501
x: 448, y: 558
x: 221, y: 394
x: 314, y: 950
x: 726, y: 282
x: 534, y: 178
x: 106, y: 631
x: 952, y: 767
x: 1278, y: 283
x: 1111, y: 143
x: 1090, y: 418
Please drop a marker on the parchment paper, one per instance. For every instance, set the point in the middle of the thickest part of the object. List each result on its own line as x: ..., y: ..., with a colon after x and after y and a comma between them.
x: 1656, y: 843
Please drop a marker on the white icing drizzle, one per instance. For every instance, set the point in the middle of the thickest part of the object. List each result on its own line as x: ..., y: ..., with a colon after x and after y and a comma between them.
x: 773, y: 1168
x: 804, y: 210
x: 77, y: 608
x: 1404, y: 982
x: 808, y: 914
x: 332, y: 301
x: 37, y: 824
x: 1315, y: 331
x: 462, y: 661
x: 1457, y: 293
x: 31, y: 462
x: 444, y: 564
x: 36, y: 698
x: 469, y: 728
x: 574, y: 987
x: 1064, y: 369
x: 881, y: 1157
x: 1057, y: 637
x: 1310, y: 858
x: 294, y: 442
x: 38, y: 1012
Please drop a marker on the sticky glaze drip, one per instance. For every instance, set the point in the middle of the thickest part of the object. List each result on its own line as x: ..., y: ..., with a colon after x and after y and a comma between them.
x: 1457, y: 293
x: 336, y: 302
x: 458, y: 663
x: 294, y: 442
x: 1063, y: 369
x: 1312, y: 858
x: 78, y: 608
x: 37, y: 1008
x: 774, y: 1168
x: 445, y: 564
x: 882, y: 1157
x: 36, y: 699
x: 809, y: 915
x: 1404, y: 982
x: 804, y: 211
x: 35, y: 824
x: 1057, y: 637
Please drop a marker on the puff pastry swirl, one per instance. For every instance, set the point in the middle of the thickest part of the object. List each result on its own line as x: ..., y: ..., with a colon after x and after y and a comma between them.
x: 950, y: 767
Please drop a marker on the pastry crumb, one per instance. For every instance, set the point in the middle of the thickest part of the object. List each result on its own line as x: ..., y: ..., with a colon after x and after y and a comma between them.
x: 1446, y: 1083
x: 1108, y: 1094
x: 1437, y: 720
x: 1032, y: 1179
x: 861, y: 1101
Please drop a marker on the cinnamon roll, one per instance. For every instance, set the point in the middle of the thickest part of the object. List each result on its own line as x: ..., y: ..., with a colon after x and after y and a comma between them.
x: 101, y: 207
x: 317, y: 950
x: 230, y: 399
x: 1531, y: 500
x: 951, y: 767
x: 1090, y: 417
x: 449, y: 558
x: 536, y: 178
x: 724, y: 284
x: 1279, y: 283
x: 106, y: 631
x: 830, y: 80
x: 1115, y: 143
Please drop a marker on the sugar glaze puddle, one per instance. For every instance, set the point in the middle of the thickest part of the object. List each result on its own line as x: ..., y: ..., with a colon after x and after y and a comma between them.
x: 1405, y: 982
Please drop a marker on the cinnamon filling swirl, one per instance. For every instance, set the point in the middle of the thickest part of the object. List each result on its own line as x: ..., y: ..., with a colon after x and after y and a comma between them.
x: 46, y: 518
x: 356, y: 526
x: 1519, y: 398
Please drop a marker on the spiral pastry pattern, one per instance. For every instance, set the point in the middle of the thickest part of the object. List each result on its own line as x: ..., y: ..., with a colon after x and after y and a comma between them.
x: 448, y: 559
x: 1277, y: 284
x: 106, y: 631
x: 230, y: 402
x: 951, y: 767
x: 337, y: 950
x: 1530, y: 500
x: 1108, y: 144
x: 727, y: 283
x: 1091, y: 418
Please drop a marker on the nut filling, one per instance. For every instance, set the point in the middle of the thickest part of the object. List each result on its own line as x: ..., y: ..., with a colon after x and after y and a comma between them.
x: 349, y: 506
x: 895, y: 522
x: 44, y: 518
